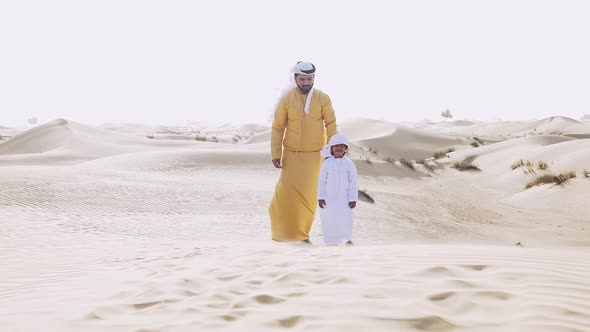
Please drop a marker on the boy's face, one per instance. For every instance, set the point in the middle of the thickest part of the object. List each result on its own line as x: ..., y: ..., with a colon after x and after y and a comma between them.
x: 339, y: 150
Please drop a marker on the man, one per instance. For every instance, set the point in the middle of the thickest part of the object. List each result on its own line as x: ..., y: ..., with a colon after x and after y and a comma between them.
x: 303, y: 120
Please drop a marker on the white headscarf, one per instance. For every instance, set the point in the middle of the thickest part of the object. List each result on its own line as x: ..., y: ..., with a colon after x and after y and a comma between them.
x: 334, y: 140
x: 301, y: 68
x: 338, y: 139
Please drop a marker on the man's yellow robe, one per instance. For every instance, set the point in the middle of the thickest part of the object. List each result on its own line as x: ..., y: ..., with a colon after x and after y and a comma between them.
x: 295, y: 199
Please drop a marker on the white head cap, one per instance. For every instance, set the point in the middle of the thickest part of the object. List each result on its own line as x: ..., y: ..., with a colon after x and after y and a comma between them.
x: 335, y: 140
x: 338, y: 139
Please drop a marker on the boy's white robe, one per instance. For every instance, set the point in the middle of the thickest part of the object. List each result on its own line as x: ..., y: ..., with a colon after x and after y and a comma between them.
x: 337, y: 186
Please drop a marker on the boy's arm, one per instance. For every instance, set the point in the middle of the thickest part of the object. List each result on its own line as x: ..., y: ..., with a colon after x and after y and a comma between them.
x: 322, y: 182
x: 322, y: 185
x: 353, y: 193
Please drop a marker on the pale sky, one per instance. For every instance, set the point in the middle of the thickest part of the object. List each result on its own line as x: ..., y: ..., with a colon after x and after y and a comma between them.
x: 170, y: 61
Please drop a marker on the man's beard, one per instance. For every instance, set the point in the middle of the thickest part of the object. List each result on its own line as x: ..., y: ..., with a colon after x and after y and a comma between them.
x: 304, y: 88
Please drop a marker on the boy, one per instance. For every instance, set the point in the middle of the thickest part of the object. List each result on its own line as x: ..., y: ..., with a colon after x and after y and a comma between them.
x: 337, y: 193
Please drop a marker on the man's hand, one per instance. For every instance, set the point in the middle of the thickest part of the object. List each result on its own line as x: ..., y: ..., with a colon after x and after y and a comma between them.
x: 321, y: 203
x: 352, y: 205
x: 277, y: 162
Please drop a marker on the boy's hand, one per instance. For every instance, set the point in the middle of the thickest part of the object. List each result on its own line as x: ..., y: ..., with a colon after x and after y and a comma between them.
x: 321, y: 203
x: 352, y: 205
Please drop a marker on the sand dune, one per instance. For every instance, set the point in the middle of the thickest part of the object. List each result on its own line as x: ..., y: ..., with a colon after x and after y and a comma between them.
x: 553, y: 124
x: 131, y: 128
x: 253, y: 127
x: 499, y: 156
x: 40, y: 139
x: 107, y: 231
x: 559, y: 153
x: 260, y: 137
x: 362, y: 128
x: 581, y: 130
x: 7, y: 132
x: 355, y: 130
x: 462, y: 123
x: 67, y: 142
x: 410, y: 144
x: 556, y: 125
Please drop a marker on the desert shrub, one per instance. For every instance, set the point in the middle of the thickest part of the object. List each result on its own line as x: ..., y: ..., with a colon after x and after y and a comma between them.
x: 407, y: 163
x: 586, y: 173
x: 551, y: 178
x: 541, y: 165
x: 439, y: 154
x: 520, y: 163
x: 442, y: 154
x: 529, y: 170
x: 465, y: 166
x: 363, y: 196
x: 425, y: 163
x: 390, y: 160
x: 474, y: 144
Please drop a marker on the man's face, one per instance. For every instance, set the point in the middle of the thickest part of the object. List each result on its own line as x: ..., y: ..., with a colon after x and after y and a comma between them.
x: 304, y: 82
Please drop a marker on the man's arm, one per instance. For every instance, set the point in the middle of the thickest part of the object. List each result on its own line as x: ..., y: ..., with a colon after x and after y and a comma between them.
x: 278, y: 132
x: 329, y: 118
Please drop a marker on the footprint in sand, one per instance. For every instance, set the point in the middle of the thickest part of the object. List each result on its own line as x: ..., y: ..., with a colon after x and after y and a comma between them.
x: 268, y: 299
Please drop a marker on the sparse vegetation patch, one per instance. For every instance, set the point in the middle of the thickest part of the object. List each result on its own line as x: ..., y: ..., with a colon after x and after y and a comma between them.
x: 407, y: 163
x: 363, y: 196
x: 465, y: 166
x: 551, y: 178
x: 443, y: 154
x: 425, y: 163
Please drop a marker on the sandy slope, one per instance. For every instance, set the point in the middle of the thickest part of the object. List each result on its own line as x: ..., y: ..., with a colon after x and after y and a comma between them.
x: 125, y: 233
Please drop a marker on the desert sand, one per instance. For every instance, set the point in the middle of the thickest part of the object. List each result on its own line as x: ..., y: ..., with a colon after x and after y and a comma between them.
x: 129, y: 227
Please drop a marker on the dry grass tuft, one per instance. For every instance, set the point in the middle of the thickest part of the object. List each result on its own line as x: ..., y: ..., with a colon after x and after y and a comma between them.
x: 407, y: 163
x: 520, y: 163
x: 363, y: 196
x: 465, y: 166
x: 551, y: 178
x: 443, y: 154
x: 541, y: 165
x: 425, y: 163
